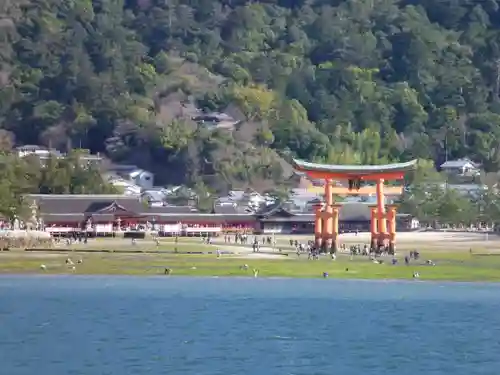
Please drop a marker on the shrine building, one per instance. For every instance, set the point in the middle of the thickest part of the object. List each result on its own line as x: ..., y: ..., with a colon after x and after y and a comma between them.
x: 103, y: 215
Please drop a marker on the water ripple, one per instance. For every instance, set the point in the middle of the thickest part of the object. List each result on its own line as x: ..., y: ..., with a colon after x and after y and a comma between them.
x: 122, y: 325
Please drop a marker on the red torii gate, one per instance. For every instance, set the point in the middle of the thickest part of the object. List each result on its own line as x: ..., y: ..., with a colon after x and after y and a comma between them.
x: 383, y: 222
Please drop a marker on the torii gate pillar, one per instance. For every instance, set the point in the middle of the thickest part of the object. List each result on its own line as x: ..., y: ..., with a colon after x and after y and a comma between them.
x: 326, y: 228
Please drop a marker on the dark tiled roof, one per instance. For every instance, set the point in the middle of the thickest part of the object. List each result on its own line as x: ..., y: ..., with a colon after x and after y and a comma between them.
x: 169, y: 210
x: 226, y: 209
x: 64, y: 204
x: 62, y: 218
x: 271, y: 209
x: 78, y: 218
x: 201, y: 217
x: 114, y: 207
x: 277, y: 212
x: 68, y: 208
x: 299, y: 218
x: 348, y: 212
x: 103, y: 217
x: 98, y: 206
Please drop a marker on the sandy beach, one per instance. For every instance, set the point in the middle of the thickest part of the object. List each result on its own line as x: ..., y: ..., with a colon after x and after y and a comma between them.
x: 435, y: 241
x: 407, y: 240
x: 432, y: 238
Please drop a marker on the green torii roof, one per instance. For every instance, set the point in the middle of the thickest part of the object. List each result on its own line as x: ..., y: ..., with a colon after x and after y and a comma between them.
x: 359, y: 169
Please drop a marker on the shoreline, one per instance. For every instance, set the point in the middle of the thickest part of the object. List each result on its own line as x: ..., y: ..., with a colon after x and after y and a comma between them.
x: 204, y: 277
x: 332, y: 276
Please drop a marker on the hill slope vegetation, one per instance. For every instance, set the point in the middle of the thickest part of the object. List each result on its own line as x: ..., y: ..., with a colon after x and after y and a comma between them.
x: 356, y: 81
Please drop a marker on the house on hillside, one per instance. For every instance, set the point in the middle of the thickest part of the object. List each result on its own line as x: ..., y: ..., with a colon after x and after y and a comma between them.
x: 142, y: 178
x: 125, y: 187
x: 86, y: 157
x: 154, y: 197
x: 39, y: 151
x: 303, y: 199
x: 216, y: 120
x: 230, y: 209
x: 244, y: 199
x: 248, y: 198
x: 133, y: 174
x: 460, y: 167
x: 181, y: 195
x: 44, y: 154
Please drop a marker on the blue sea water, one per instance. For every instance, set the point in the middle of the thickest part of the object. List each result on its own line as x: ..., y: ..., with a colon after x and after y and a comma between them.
x: 72, y: 325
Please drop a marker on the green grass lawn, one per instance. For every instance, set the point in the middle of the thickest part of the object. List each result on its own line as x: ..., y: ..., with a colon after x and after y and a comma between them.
x: 451, y: 266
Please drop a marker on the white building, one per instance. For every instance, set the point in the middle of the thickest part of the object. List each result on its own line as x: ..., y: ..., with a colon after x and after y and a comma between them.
x: 247, y: 200
x: 250, y: 198
x: 44, y: 154
x: 134, y: 175
x: 216, y: 120
x: 41, y: 152
x: 127, y: 187
x: 460, y: 167
x: 155, y: 197
x: 142, y: 178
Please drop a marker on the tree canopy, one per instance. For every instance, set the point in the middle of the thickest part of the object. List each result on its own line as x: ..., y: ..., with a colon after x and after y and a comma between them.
x: 343, y: 81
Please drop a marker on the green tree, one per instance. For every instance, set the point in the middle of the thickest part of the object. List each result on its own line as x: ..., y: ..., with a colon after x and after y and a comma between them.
x: 344, y: 81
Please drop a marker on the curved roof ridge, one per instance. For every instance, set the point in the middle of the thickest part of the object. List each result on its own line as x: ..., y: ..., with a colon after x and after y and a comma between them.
x: 395, y: 167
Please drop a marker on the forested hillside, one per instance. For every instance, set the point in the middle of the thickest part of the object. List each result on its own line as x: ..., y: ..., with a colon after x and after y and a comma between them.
x: 357, y: 81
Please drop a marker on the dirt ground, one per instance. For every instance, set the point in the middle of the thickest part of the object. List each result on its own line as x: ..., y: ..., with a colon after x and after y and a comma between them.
x: 449, y: 241
x: 424, y: 241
